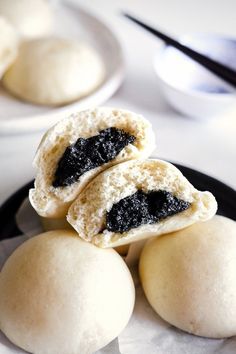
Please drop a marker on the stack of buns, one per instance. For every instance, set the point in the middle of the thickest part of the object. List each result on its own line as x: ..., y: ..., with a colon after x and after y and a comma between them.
x: 67, y: 291
x: 36, y: 65
x: 86, y: 201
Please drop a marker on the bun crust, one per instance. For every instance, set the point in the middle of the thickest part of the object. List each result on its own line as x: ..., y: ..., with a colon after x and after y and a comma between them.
x: 189, y: 277
x: 88, y: 213
x: 54, y: 202
x: 59, y: 294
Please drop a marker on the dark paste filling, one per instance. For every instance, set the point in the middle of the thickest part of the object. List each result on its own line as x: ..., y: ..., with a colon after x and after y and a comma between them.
x: 143, y: 208
x: 87, y: 154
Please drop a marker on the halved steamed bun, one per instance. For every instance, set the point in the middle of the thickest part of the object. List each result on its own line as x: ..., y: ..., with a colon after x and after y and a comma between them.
x: 189, y: 277
x: 8, y: 45
x: 31, y: 18
x: 79, y: 147
x: 61, y: 295
x: 54, y: 71
x: 135, y: 200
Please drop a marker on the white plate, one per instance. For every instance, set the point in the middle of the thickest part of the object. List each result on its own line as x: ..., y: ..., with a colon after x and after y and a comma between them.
x: 70, y: 21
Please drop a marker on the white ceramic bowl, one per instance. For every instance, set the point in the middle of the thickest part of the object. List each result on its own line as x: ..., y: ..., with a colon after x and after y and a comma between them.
x: 189, y: 87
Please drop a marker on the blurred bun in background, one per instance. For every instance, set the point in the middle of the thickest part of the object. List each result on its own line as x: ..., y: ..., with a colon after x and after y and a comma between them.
x: 31, y: 18
x: 8, y: 45
x: 54, y: 71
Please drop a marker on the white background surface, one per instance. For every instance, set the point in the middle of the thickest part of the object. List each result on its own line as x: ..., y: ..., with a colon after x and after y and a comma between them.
x: 209, y: 147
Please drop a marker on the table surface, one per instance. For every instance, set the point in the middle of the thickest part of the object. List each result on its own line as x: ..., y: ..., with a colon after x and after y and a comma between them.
x: 208, y: 146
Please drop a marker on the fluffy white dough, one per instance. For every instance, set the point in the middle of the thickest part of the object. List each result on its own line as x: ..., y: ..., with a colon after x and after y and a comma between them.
x: 59, y: 294
x: 32, y: 18
x: 8, y: 45
x: 54, y: 71
x: 89, y: 211
x: 189, y: 277
x: 54, y: 202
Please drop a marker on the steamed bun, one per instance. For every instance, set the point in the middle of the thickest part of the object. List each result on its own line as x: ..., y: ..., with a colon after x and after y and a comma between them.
x: 31, y: 18
x: 59, y: 294
x: 56, y: 158
x: 135, y: 200
x: 189, y: 277
x: 8, y: 45
x: 54, y: 71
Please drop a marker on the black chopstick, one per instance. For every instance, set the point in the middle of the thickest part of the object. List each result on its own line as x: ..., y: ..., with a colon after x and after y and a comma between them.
x: 222, y: 71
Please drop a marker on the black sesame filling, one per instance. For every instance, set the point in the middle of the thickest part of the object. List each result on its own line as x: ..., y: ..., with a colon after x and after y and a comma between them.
x: 87, y: 154
x: 143, y: 208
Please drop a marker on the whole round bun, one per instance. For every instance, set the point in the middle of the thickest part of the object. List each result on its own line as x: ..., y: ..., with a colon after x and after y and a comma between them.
x: 88, y: 213
x: 54, y: 71
x: 59, y: 294
x: 32, y: 18
x: 8, y: 45
x: 189, y: 277
x: 53, y: 202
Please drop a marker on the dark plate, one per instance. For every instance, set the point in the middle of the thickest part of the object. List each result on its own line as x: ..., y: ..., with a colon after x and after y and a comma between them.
x: 225, y: 196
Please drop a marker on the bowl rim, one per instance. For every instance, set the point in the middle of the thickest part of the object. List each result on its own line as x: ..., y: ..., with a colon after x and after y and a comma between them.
x: 189, y: 91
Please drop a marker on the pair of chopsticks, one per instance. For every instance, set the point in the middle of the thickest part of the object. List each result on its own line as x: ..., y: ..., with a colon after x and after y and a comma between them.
x: 221, y: 70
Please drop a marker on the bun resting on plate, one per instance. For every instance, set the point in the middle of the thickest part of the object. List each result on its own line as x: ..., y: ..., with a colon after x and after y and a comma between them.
x: 136, y: 200
x: 54, y: 71
x: 31, y: 18
x: 77, y: 148
x: 189, y: 277
x: 8, y: 45
x: 59, y: 294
